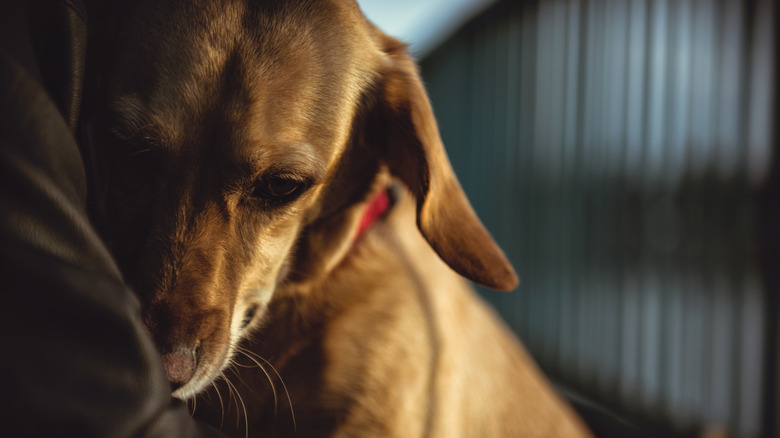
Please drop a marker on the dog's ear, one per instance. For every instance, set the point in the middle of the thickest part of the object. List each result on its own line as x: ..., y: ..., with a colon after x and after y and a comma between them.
x: 403, y: 125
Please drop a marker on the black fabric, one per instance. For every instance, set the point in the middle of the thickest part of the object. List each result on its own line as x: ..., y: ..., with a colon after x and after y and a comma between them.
x: 58, y: 31
x: 76, y: 361
x: 75, y: 358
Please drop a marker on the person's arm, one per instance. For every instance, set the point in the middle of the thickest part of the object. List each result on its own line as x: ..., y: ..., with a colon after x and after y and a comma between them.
x: 75, y: 360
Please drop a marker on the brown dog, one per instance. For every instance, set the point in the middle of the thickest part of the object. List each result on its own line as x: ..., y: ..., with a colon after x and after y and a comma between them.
x: 255, y: 150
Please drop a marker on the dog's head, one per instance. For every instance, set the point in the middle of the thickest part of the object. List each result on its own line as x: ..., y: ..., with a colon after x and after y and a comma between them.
x: 242, y: 139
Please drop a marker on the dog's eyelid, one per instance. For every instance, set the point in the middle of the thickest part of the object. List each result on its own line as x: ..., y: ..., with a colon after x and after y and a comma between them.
x: 140, y: 131
x: 129, y: 147
x: 289, y: 176
x: 289, y: 173
x: 143, y: 139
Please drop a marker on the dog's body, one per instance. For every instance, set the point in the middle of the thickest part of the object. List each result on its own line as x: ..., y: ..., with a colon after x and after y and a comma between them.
x: 259, y: 132
x: 391, y: 344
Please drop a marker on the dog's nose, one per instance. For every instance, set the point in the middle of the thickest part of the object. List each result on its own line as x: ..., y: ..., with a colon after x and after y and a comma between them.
x: 179, y: 366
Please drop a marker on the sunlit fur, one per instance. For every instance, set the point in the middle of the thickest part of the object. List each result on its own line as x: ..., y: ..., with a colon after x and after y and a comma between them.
x: 207, y: 100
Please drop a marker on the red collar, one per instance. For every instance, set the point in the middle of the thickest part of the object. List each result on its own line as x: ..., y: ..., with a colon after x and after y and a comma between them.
x: 375, y: 210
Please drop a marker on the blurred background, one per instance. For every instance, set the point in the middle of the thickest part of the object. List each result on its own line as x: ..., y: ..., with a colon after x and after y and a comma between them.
x: 624, y: 155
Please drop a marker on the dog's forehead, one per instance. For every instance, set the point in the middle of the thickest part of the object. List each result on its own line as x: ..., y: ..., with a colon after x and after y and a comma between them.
x: 259, y: 72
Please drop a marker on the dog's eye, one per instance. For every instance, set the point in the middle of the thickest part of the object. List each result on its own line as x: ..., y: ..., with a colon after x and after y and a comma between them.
x: 279, y: 188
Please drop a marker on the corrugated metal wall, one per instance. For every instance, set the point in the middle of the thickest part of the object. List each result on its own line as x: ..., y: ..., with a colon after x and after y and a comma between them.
x: 616, y: 150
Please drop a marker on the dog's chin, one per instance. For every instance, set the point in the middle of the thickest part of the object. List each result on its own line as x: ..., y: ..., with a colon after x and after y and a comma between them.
x: 190, y: 390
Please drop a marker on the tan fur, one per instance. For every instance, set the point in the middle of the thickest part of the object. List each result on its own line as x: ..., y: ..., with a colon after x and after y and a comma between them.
x: 209, y: 105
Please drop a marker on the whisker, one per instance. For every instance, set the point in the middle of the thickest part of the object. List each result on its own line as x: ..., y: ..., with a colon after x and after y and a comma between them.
x: 231, y: 396
x: 242, y: 365
x: 287, y: 393
x: 237, y: 374
x: 268, y: 376
x: 243, y: 406
x: 221, y: 405
x: 194, y: 400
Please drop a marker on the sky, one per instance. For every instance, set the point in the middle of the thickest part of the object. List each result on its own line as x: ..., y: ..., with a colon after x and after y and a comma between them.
x: 423, y: 24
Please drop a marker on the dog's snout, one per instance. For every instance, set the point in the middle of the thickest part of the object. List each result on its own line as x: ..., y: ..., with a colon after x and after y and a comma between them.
x: 191, y: 338
x: 180, y: 366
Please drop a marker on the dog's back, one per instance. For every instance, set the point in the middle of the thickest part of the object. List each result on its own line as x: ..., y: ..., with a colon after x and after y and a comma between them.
x: 455, y: 368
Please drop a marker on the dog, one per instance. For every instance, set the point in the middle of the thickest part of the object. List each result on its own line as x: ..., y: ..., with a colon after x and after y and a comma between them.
x: 281, y: 202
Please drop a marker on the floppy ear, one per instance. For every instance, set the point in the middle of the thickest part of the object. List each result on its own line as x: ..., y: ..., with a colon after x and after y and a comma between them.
x: 402, y: 123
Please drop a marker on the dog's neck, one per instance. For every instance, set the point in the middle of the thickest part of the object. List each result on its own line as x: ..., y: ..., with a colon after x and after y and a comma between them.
x: 296, y: 317
x: 376, y: 209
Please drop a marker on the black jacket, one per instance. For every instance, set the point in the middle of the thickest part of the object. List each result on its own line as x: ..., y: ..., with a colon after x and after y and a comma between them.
x: 75, y: 358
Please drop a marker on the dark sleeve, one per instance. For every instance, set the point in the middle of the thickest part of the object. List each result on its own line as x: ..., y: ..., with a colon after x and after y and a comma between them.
x: 75, y: 358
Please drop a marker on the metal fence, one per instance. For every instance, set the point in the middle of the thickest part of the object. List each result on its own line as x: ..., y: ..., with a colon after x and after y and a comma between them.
x: 617, y: 150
